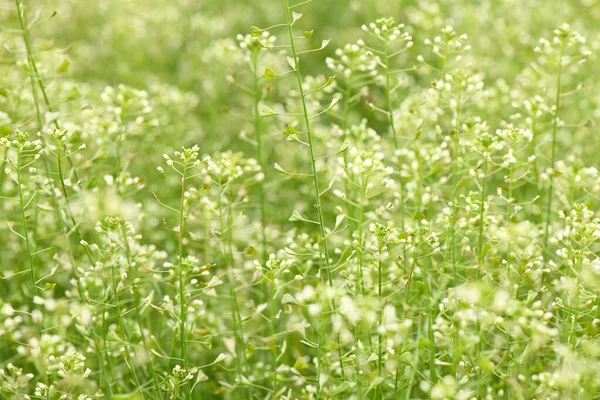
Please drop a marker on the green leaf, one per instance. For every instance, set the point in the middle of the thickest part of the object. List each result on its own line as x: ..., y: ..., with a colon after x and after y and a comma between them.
x: 49, y: 286
x: 324, y: 44
x: 295, y: 16
x: 256, y: 31
x: 127, y: 396
x: 289, y: 130
x: 300, y: 364
x: 291, y: 62
x: 73, y: 94
x: 267, y: 112
x: 269, y: 74
x: 338, y: 221
x: 64, y: 66
x: 249, y: 349
x: 372, y: 357
x: 308, y: 34
x: 289, y: 299
x: 330, y: 81
x: 309, y: 344
x: 296, y: 216
x: 278, y: 168
x: 419, y: 130
x: 200, y: 378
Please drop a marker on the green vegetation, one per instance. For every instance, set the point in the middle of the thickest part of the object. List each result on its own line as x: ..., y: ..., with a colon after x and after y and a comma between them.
x: 299, y: 200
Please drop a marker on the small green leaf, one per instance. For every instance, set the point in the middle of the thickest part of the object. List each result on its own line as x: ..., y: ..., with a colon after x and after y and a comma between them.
x: 372, y: 357
x: 73, y: 94
x: 64, y: 66
x: 309, y: 344
x: 300, y: 364
x: 214, y: 281
x: 49, y: 286
x: 295, y: 16
x: 330, y: 81
x: 269, y: 74
x: 338, y: 221
x: 127, y: 396
x: 278, y: 168
x: 419, y: 216
x: 267, y: 112
x: 291, y: 62
x: 296, y: 216
x: 419, y: 129
x: 200, y: 378
x: 289, y: 130
x: 250, y: 349
x: 288, y: 299
x: 333, y: 103
x: 256, y: 31
x: 308, y: 34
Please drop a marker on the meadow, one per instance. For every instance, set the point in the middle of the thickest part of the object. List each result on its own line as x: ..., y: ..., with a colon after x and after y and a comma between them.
x: 296, y: 199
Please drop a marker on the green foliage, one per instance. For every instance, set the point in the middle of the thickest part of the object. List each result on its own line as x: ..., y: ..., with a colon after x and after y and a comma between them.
x: 318, y: 207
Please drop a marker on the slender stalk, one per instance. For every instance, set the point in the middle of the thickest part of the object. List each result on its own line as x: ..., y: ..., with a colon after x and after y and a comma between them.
x: 452, y: 233
x: 124, y: 332
x: 109, y: 369
x: 260, y: 158
x: 35, y: 78
x: 553, y: 151
x: 481, y: 240
x: 226, y: 239
x: 508, y: 218
x: 270, y: 290
x: 380, y: 312
x: 388, y: 95
x: 318, y: 205
x: 182, y: 303
x: 136, y: 296
x: 28, y: 244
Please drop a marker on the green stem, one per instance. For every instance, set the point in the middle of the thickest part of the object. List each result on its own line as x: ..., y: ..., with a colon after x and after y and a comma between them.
x: 508, y: 218
x: 456, y: 143
x: 380, y: 313
x: 182, y: 305
x: 482, y: 214
x: 124, y: 332
x: 226, y: 239
x: 388, y: 95
x: 32, y: 272
x: 259, y: 157
x: 553, y: 153
x: 325, y: 248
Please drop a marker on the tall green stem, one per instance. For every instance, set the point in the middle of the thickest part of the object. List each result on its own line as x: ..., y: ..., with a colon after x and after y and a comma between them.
x: 318, y: 205
x: 32, y: 271
x: 182, y: 303
x: 481, y: 240
x: 226, y: 239
x: 128, y: 361
x: 553, y: 153
x: 260, y: 158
